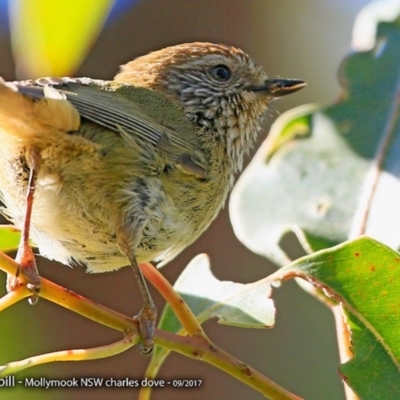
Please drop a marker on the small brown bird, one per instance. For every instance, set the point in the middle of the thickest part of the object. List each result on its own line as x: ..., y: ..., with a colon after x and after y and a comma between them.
x: 132, y: 169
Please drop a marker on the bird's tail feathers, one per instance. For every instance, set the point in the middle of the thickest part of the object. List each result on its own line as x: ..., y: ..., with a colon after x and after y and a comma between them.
x: 23, y: 117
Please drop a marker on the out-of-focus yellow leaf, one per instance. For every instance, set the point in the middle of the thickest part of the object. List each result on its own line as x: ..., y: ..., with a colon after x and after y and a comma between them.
x: 52, y: 37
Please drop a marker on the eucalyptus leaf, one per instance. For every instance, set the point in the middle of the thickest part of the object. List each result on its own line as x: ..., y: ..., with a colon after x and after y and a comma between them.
x: 364, y: 275
x: 237, y: 304
x: 331, y: 173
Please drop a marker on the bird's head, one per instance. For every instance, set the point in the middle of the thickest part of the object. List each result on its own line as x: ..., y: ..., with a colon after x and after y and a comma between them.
x: 218, y: 87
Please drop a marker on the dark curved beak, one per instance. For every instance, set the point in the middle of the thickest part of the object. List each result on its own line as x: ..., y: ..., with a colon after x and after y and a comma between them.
x: 279, y: 86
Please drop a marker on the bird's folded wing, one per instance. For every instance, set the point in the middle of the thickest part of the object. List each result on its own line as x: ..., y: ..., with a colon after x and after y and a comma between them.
x: 137, y: 111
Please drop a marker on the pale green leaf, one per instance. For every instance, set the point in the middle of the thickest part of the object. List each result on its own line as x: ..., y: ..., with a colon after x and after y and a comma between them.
x: 237, y: 304
x: 330, y: 174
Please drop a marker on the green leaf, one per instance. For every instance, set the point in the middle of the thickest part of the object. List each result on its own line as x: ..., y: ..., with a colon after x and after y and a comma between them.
x: 331, y: 173
x: 372, y: 373
x: 364, y: 275
x: 9, y: 238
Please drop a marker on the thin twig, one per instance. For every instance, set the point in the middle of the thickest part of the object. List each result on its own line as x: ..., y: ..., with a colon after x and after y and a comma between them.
x: 178, y: 305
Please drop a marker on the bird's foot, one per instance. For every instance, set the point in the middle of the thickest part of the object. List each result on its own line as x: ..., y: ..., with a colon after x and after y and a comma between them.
x: 27, y: 273
x: 147, y: 320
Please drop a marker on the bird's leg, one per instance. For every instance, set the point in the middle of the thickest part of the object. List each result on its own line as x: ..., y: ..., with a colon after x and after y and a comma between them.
x: 148, y: 314
x: 25, y: 257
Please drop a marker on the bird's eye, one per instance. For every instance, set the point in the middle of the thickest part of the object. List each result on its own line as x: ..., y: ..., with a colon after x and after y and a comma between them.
x: 221, y: 73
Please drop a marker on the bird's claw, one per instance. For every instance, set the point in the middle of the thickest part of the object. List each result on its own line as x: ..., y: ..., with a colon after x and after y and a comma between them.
x: 27, y: 274
x: 147, y: 320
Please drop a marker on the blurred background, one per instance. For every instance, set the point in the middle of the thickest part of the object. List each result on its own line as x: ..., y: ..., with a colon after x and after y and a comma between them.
x: 305, y: 39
